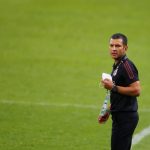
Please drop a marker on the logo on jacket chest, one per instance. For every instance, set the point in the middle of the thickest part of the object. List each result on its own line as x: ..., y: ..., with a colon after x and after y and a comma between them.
x: 115, y: 72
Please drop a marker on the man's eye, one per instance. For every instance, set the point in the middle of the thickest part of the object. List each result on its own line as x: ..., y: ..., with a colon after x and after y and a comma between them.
x: 117, y: 45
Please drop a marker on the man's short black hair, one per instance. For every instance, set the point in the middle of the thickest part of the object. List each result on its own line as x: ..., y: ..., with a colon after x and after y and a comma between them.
x: 120, y: 36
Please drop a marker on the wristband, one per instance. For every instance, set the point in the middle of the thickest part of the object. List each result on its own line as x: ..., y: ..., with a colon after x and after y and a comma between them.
x: 114, y: 88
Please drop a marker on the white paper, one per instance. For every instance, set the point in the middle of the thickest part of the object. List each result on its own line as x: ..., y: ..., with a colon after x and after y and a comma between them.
x: 106, y: 76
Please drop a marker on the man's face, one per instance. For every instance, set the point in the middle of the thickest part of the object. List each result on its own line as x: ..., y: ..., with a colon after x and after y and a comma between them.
x: 117, y: 48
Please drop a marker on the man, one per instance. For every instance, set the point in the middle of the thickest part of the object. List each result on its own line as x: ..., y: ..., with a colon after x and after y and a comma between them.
x: 124, y: 88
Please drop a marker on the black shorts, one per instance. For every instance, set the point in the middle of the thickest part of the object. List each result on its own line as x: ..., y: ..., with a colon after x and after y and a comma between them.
x: 123, y: 126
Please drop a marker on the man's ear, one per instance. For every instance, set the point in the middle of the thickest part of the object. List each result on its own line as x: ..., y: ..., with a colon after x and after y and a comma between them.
x: 125, y: 47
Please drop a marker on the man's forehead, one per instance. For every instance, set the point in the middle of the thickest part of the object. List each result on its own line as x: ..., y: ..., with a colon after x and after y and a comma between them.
x: 116, y: 41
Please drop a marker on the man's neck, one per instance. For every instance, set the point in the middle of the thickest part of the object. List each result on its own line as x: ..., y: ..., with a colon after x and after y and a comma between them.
x: 119, y: 59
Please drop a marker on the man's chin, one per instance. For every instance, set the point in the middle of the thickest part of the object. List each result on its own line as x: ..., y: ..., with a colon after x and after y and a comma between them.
x: 115, y: 57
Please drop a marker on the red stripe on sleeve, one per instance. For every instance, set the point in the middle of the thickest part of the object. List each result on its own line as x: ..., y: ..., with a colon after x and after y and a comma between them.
x: 129, y: 70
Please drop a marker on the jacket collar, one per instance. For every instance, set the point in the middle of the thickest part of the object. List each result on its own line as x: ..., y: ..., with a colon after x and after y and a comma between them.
x: 123, y: 58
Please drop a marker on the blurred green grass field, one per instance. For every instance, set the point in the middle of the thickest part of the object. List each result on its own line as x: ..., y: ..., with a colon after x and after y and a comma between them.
x: 52, y: 54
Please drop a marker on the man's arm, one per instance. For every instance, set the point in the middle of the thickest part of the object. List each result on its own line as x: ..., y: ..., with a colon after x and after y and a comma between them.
x: 133, y: 89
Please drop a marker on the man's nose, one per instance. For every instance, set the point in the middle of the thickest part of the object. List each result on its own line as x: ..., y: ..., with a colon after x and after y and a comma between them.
x: 114, y: 48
